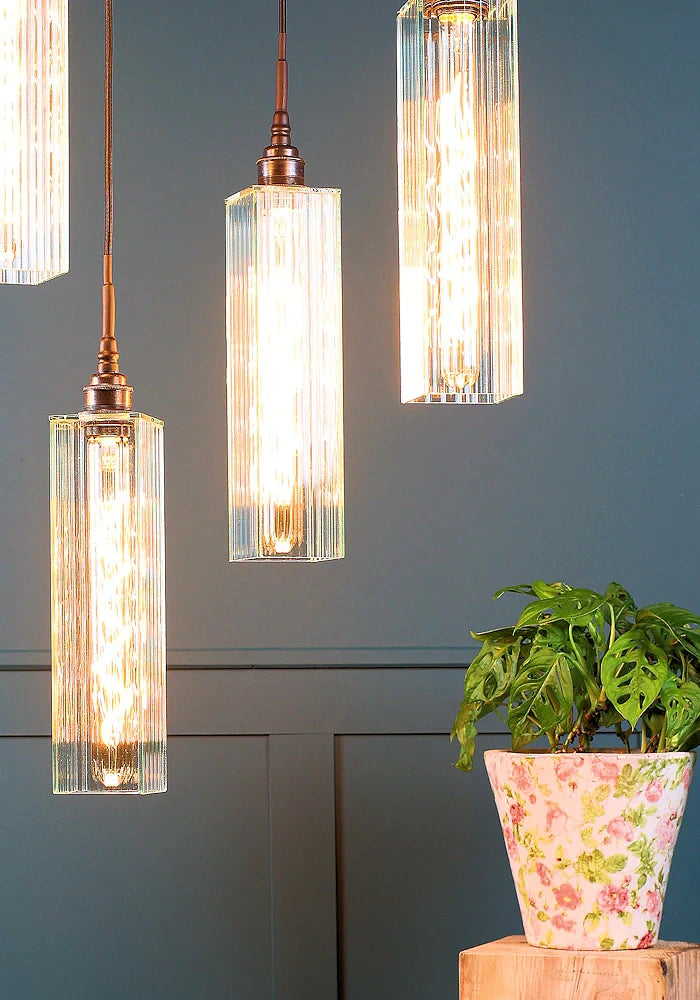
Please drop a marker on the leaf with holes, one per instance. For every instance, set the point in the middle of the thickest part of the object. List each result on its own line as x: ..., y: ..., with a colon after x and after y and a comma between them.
x: 490, y: 673
x: 541, y: 693
x: 682, y: 624
x: 574, y: 606
x: 620, y: 600
x: 633, y: 672
x: 682, y: 703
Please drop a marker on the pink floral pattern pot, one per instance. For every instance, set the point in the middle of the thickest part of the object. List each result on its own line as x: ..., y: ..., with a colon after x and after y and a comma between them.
x: 590, y: 838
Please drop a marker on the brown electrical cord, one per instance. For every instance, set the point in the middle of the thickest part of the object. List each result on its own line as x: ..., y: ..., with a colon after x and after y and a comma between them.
x: 282, y: 89
x: 109, y: 190
x: 108, y: 389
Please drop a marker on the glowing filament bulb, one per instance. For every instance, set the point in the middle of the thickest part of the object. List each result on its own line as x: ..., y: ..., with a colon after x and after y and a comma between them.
x: 112, y: 607
x: 458, y: 275
x: 282, y: 316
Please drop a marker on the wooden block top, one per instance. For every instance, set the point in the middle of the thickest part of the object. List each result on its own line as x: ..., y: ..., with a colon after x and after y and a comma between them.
x: 511, y: 969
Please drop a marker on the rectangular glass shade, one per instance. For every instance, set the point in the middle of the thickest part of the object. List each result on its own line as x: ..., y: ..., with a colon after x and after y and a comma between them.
x: 33, y: 140
x: 107, y: 603
x: 285, y: 374
x: 459, y: 202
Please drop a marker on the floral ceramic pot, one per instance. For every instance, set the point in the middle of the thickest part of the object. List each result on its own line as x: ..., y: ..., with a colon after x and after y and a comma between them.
x: 590, y: 838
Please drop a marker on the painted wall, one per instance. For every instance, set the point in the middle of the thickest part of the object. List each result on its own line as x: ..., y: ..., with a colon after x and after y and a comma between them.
x: 592, y: 475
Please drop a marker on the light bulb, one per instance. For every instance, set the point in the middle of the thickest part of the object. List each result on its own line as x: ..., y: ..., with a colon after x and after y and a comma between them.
x: 282, y: 317
x: 458, y: 214
x: 110, y: 543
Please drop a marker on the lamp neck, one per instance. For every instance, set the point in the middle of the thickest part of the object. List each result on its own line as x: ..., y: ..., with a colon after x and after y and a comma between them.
x: 280, y: 162
x: 108, y: 389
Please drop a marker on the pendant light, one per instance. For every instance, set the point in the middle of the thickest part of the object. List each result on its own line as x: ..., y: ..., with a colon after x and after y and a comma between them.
x: 33, y: 140
x: 459, y: 201
x: 284, y: 339
x: 107, y: 569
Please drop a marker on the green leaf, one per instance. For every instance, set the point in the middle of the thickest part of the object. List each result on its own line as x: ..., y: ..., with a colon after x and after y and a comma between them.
x: 615, y: 863
x: 587, y: 836
x: 490, y: 673
x: 592, y: 867
x: 554, y: 635
x: 545, y: 591
x: 465, y: 731
x: 537, y: 589
x: 627, y: 782
x: 681, y: 699
x: 606, y: 943
x: 620, y: 601
x: 633, y: 672
x: 590, y: 922
x: 516, y: 588
x: 542, y: 693
x: 591, y: 810
x: 683, y: 625
x: 494, y: 633
x: 575, y: 606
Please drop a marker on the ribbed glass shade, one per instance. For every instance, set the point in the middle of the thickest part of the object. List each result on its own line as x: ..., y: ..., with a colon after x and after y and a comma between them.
x: 459, y: 202
x: 285, y: 374
x: 33, y: 140
x: 107, y: 603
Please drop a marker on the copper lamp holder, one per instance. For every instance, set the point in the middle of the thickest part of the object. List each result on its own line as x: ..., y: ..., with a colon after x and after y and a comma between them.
x: 477, y: 9
x: 108, y: 389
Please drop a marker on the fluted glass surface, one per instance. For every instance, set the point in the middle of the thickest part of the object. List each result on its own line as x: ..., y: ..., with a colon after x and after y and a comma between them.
x: 285, y: 374
x: 33, y: 140
x: 459, y: 202
x: 107, y: 603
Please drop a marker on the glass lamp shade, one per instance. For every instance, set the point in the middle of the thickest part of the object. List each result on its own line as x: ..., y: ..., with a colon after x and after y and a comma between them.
x: 107, y: 603
x: 459, y: 202
x: 285, y: 374
x: 33, y: 140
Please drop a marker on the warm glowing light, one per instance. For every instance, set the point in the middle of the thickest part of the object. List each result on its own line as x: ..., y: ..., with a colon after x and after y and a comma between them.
x: 459, y: 203
x: 285, y: 374
x: 282, y: 310
x: 108, y: 603
x: 112, y: 614
x: 457, y: 267
x: 33, y: 140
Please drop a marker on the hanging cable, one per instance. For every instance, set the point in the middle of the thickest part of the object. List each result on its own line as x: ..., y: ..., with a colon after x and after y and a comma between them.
x: 109, y: 188
x: 282, y: 91
x: 108, y: 389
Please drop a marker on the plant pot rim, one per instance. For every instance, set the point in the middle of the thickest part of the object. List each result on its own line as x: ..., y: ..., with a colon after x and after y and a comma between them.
x: 624, y: 754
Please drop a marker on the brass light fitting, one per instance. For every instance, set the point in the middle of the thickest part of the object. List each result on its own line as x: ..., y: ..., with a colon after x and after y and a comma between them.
x: 475, y: 10
x: 280, y: 162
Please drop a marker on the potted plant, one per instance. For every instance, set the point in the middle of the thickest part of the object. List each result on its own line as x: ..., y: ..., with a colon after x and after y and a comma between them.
x: 589, y: 831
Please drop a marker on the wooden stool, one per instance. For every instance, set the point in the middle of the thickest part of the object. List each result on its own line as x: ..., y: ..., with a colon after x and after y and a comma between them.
x: 510, y: 969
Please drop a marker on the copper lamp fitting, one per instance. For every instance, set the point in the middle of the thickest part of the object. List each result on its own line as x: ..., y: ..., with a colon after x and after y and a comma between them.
x: 476, y: 9
x: 108, y: 390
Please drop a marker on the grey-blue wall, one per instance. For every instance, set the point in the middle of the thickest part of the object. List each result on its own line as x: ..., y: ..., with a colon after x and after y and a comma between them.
x: 314, y: 831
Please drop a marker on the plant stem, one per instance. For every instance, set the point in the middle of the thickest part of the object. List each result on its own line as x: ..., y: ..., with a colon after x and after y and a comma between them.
x: 612, y: 626
x: 662, y: 735
x: 644, y: 737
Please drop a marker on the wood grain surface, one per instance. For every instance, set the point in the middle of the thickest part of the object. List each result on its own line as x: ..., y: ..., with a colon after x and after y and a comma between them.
x: 510, y: 969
